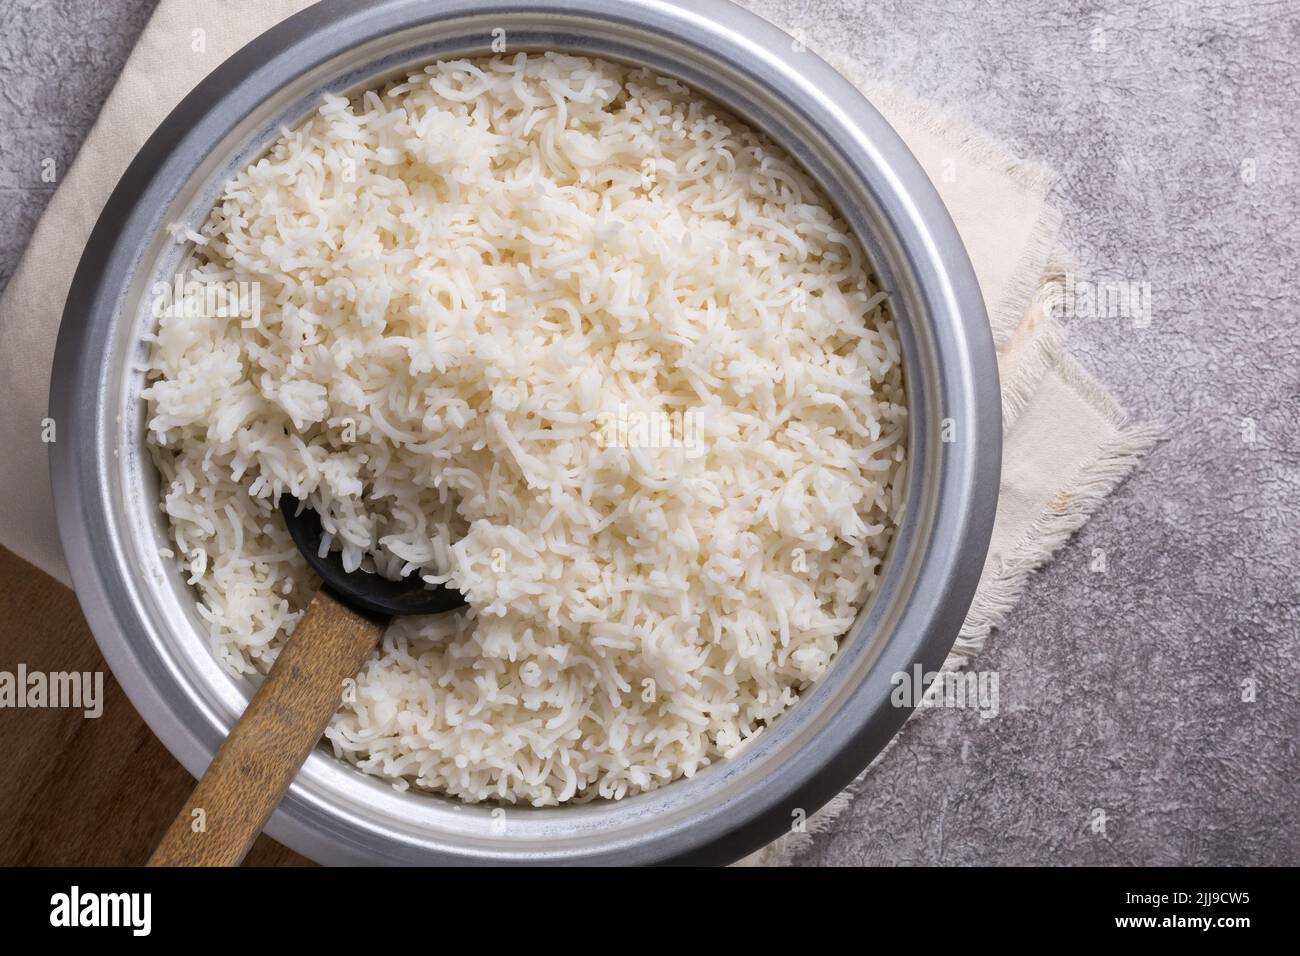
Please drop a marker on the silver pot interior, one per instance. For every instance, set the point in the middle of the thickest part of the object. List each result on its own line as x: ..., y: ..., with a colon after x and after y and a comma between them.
x: 143, y: 612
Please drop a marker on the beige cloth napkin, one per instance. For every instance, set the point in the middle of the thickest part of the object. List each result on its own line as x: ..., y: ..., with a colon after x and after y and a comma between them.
x: 1066, y: 442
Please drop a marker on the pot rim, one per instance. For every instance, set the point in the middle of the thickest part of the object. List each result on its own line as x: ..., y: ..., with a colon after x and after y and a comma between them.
x: 333, y: 813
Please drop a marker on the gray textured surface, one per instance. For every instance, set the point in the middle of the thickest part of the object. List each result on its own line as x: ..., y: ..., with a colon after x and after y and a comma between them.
x: 1120, y: 691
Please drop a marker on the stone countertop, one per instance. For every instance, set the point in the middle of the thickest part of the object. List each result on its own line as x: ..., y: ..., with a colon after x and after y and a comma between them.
x: 1150, y: 676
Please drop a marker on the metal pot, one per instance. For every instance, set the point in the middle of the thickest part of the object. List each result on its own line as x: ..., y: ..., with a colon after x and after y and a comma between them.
x: 143, y: 614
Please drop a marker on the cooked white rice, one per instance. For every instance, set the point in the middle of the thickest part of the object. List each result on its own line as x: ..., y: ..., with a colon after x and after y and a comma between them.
x: 479, y: 290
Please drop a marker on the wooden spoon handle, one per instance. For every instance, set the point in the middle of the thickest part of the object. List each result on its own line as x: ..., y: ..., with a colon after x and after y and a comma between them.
x: 282, y: 723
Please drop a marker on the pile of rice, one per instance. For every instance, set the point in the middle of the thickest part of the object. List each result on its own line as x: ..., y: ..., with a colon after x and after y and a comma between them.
x: 464, y: 279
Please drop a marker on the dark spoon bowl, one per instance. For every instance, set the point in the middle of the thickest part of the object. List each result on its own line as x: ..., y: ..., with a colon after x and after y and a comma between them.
x: 362, y: 590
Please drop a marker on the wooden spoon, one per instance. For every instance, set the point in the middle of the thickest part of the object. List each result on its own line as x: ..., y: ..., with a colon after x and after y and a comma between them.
x: 287, y: 715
